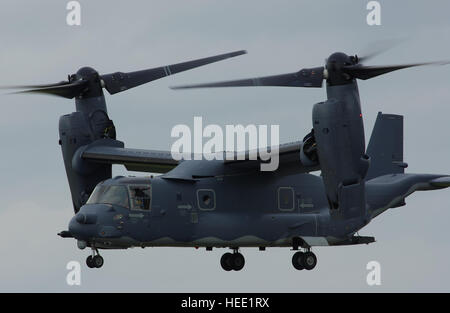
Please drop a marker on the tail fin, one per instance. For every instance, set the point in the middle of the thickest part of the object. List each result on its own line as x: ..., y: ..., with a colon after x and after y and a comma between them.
x: 386, y: 146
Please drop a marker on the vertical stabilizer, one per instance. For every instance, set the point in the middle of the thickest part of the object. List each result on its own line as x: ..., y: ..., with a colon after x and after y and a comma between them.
x: 386, y: 146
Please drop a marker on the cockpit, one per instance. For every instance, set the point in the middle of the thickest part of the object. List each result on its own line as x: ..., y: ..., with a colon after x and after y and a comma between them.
x: 134, y: 197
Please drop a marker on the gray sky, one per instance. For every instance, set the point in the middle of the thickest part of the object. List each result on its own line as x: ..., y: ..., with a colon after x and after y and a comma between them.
x: 280, y: 36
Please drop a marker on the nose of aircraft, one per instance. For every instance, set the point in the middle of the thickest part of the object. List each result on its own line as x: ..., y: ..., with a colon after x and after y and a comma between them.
x: 83, y: 226
x: 94, y: 221
x: 86, y: 218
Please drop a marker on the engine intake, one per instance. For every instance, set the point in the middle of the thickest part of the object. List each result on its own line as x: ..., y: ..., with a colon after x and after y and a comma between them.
x: 308, y: 152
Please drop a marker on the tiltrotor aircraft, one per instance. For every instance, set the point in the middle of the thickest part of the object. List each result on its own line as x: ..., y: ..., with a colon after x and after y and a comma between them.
x: 231, y: 203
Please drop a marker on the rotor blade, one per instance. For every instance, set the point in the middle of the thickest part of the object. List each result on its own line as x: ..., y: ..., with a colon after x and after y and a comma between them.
x: 378, y: 47
x: 367, y: 72
x: 61, y: 83
x: 312, y: 77
x: 118, y: 82
x: 66, y: 90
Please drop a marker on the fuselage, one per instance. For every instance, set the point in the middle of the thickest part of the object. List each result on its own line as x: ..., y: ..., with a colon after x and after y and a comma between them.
x: 257, y: 210
x: 211, y: 212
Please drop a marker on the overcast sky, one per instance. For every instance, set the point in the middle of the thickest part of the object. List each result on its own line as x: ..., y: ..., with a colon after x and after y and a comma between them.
x: 37, y: 46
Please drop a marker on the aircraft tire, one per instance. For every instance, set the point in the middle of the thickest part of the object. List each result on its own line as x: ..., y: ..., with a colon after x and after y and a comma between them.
x: 97, y: 261
x: 309, y: 260
x: 297, y: 260
x: 225, y: 261
x: 90, y: 262
x: 237, y: 261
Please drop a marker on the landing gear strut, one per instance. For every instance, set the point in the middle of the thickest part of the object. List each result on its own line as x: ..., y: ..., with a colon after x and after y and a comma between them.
x: 95, y: 260
x: 304, y: 260
x: 232, y: 261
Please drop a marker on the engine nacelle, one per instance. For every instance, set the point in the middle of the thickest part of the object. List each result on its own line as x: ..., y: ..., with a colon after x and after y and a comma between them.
x: 339, y: 135
x: 89, y: 124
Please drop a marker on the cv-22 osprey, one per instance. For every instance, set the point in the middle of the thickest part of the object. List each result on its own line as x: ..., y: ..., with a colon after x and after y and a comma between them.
x: 232, y: 203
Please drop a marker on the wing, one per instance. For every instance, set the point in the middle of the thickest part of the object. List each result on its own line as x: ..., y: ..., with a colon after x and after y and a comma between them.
x: 289, y: 159
x: 154, y: 161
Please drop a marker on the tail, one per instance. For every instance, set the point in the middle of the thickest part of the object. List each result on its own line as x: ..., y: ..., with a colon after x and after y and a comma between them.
x: 386, y: 146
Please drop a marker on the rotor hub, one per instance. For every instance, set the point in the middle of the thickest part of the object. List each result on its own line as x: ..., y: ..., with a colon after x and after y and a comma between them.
x: 93, y: 82
x: 335, y: 65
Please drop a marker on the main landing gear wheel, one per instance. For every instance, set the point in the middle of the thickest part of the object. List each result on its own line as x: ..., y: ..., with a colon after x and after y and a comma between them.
x: 304, y: 260
x: 225, y: 261
x: 297, y: 260
x: 237, y: 261
x: 232, y: 261
x: 309, y: 260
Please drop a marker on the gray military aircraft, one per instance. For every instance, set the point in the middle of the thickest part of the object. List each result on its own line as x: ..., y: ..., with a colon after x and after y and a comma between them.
x: 231, y: 203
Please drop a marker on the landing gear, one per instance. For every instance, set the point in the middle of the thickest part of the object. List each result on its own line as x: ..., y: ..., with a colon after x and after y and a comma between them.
x: 232, y: 261
x: 94, y: 260
x: 304, y: 260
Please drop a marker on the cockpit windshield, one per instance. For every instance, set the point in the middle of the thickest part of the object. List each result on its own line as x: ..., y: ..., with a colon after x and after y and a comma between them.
x: 113, y: 194
x: 140, y: 196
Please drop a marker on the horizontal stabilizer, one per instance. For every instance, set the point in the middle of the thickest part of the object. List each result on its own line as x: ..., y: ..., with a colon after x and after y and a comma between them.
x: 441, y: 182
x: 390, y: 191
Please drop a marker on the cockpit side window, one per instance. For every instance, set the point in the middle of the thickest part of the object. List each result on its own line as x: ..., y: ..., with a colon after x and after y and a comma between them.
x: 140, y: 197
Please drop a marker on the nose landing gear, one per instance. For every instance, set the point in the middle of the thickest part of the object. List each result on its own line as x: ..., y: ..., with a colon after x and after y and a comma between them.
x: 94, y: 260
x: 232, y: 261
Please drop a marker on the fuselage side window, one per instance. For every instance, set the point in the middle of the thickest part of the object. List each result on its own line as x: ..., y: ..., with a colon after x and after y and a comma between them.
x: 286, y: 198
